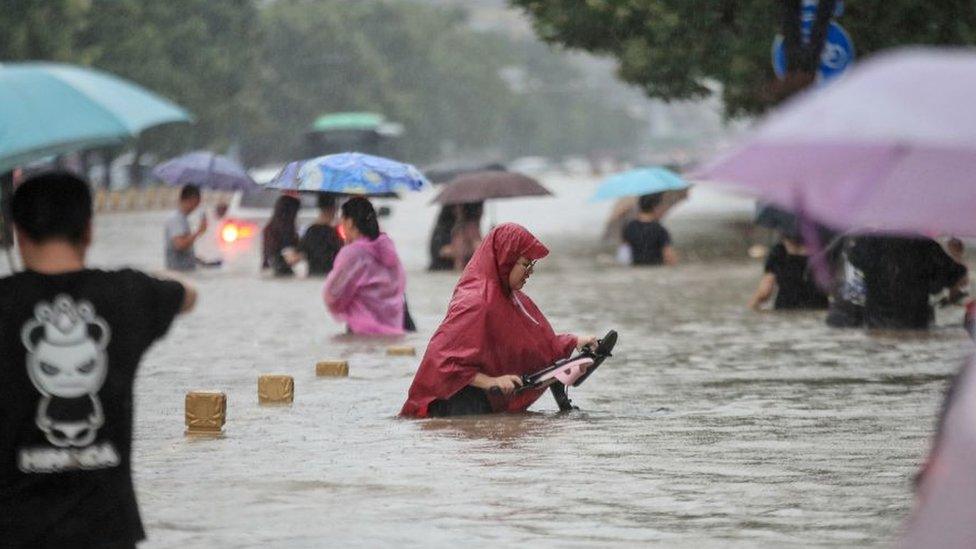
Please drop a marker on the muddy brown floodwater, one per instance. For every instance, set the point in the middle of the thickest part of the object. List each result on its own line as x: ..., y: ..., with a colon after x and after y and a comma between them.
x: 711, y: 426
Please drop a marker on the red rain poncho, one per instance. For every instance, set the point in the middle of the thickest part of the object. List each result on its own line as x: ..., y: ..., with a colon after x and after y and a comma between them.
x: 489, y: 329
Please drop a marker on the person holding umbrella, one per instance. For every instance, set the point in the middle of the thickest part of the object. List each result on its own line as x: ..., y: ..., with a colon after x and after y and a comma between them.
x: 279, y: 246
x: 441, y: 257
x: 647, y: 241
x: 180, y: 238
x: 366, y: 286
x: 466, y: 236
x: 321, y: 242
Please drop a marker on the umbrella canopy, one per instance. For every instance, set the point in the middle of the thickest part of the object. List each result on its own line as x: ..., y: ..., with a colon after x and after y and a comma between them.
x: 890, y: 147
x: 49, y: 108
x: 349, y: 173
x: 348, y: 121
x: 481, y: 186
x: 638, y: 182
x: 944, y: 516
x: 444, y: 172
x: 206, y: 169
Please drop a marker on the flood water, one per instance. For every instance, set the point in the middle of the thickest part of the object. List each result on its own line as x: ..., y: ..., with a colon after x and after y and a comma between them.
x: 711, y: 426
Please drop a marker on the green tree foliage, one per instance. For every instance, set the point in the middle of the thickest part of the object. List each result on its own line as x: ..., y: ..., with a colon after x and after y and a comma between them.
x: 257, y: 73
x: 677, y: 49
x: 425, y: 68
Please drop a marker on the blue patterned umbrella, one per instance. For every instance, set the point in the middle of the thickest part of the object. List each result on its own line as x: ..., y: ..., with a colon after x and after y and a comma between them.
x: 349, y: 173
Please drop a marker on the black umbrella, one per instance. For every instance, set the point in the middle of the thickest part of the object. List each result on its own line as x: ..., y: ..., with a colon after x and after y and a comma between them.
x: 481, y: 186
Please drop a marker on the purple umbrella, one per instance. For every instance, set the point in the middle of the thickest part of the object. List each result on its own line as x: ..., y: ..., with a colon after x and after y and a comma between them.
x: 481, y: 186
x: 945, y: 516
x: 890, y: 147
x: 206, y: 169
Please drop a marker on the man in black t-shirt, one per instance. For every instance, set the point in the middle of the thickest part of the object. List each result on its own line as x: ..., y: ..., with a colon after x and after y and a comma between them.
x: 899, y: 276
x: 649, y: 242
x: 71, y: 339
x: 321, y: 242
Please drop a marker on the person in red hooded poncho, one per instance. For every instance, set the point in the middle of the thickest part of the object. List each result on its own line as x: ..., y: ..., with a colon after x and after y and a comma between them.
x: 492, y: 335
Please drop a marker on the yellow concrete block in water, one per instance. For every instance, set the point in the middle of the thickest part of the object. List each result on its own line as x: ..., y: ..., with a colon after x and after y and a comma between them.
x: 333, y: 368
x: 401, y: 350
x: 206, y: 412
x: 276, y: 389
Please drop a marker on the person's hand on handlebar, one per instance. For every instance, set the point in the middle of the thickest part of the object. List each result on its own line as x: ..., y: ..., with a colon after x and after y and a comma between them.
x: 507, y: 383
x: 586, y: 341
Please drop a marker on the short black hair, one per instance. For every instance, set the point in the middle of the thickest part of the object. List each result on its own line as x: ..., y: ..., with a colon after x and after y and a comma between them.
x: 188, y: 191
x: 647, y: 202
x: 325, y: 200
x: 53, y: 206
x: 472, y: 211
x: 363, y: 216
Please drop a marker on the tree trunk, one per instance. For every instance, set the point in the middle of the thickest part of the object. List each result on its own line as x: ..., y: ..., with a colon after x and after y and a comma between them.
x: 107, y: 164
x: 135, y: 170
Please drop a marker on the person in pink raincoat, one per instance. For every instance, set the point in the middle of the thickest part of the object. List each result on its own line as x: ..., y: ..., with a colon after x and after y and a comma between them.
x: 366, y: 286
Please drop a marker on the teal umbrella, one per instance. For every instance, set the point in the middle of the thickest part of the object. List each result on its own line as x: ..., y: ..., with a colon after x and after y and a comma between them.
x: 638, y: 182
x: 49, y: 108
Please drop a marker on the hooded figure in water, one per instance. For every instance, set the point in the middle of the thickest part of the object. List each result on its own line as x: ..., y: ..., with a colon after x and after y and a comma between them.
x: 492, y: 330
x: 365, y: 288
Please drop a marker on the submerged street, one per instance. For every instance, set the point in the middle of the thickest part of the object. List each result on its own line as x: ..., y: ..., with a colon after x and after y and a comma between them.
x: 711, y: 425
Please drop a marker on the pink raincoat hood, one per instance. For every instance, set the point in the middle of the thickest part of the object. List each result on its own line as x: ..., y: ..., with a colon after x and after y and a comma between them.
x: 382, y: 249
x: 366, y: 287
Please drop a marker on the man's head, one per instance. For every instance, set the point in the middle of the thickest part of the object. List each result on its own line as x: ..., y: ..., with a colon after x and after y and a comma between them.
x: 326, y: 204
x: 54, y: 206
x: 647, y: 203
x: 189, y: 198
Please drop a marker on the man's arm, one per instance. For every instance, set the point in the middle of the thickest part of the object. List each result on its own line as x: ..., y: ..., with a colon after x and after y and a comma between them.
x: 189, y: 291
x: 184, y: 241
x: 189, y: 298
x: 670, y: 256
x: 767, y: 285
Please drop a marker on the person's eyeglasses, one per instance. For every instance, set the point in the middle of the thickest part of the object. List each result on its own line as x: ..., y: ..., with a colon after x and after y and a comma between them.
x: 530, y: 266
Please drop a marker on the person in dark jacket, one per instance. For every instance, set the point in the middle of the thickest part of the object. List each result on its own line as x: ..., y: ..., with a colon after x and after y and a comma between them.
x: 899, y: 276
x: 440, y: 240
x: 280, y: 238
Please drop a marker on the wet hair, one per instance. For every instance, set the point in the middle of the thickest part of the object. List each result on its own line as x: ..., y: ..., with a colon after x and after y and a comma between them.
x: 325, y: 201
x: 446, y: 218
x: 284, y: 214
x: 363, y: 216
x: 53, y: 206
x: 472, y: 211
x: 189, y: 191
x: 648, y: 202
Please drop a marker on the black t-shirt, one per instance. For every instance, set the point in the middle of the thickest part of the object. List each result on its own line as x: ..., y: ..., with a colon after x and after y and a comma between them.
x: 796, y: 287
x: 899, y: 275
x: 320, y: 244
x: 647, y: 240
x: 69, y: 348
